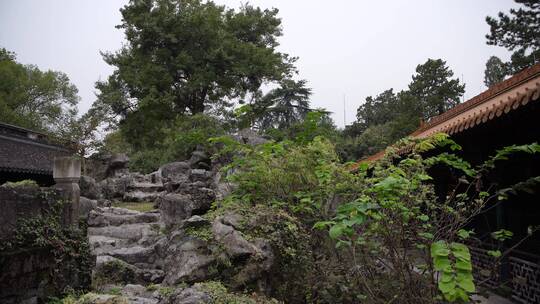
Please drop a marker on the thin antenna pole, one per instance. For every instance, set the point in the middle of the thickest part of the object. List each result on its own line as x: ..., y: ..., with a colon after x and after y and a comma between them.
x: 462, y: 82
x: 344, y: 113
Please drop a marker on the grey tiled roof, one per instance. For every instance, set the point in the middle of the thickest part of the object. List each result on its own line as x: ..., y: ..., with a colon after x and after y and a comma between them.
x: 26, y: 151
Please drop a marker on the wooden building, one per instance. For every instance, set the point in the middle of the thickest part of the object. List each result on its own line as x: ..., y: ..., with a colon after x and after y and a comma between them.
x: 506, y: 114
x: 26, y: 154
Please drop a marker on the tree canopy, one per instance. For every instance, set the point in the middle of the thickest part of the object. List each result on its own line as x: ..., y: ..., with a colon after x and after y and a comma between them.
x: 518, y: 31
x: 496, y: 71
x: 183, y: 57
x: 434, y: 87
x: 388, y: 117
x: 40, y: 100
x: 283, y: 106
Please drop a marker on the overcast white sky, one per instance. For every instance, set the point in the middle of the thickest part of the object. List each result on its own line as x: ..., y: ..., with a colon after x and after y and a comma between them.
x: 351, y: 48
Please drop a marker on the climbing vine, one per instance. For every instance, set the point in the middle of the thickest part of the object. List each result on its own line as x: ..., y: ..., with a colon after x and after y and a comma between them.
x: 67, y: 246
x: 406, y: 239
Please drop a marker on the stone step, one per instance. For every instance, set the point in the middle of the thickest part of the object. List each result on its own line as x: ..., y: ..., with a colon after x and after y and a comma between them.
x: 146, y: 187
x: 137, y: 275
x: 102, y: 245
x: 117, y: 210
x: 135, y: 255
x: 102, y: 219
x: 108, y: 298
x: 134, y: 232
x: 140, y: 196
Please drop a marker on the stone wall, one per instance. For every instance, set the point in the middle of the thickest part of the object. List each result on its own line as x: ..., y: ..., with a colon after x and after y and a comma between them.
x: 22, y: 202
x: 29, y: 273
x: 25, y: 275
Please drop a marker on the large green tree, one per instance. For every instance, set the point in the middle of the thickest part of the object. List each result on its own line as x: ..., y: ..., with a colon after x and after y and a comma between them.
x: 518, y: 31
x: 378, y: 110
x: 388, y: 117
x: 283, y: 106
x: 186, y: 56
x: 40, y: 100
x: 381, y: 121
x: 496, y: 71
x: 434, y: 87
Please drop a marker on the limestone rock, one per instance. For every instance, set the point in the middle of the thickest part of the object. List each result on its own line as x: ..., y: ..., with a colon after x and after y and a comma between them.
x: 233, y: 241
x: 135, y: 290
x: 191, y: 295
x: 199, y: 159
x: 86, y: 205
x: 135, y: 254
x: 89, y: 187
x: 118, y: 164
x: 222, y: 188
x: 249, y: 137
x: 133, y: 232
x: 114, y: 270
x: 195, y: 221
x: 175, y: 207
x: 140, y: 196
x: 187, y: 261
x: 111, y: 216
x: 115, y: 187
x: 102, y: 202
x: 254, y: 258
x: 175, y: 171
x: 202, y: 175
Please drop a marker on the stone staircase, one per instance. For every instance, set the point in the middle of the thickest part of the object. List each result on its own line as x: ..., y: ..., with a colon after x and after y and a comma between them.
x: 143, y: 188
x: 126, y: 243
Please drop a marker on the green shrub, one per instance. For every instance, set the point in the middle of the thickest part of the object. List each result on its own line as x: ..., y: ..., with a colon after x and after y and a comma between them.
x: 281, y: 190
x: 23, y: 183
x: 296, y: 177
x: 113, y: 272
x: 406, y: 241
x: 68, y: 246
x: 220, y: 295
x: 176, y: 142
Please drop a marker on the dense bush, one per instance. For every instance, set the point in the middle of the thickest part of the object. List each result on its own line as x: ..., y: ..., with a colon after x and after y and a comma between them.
x: 406, y: 241
x: 316, y: 123
x: 282, y: 189
x: 391, y: 234
x: 171, y: 143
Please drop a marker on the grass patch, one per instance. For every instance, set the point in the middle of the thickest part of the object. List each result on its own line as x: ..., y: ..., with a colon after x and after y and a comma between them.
x: 23, y: 183
x: 136, y: 206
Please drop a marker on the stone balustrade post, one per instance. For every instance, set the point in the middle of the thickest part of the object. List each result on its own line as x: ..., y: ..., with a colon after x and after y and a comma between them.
x: 66, y: 174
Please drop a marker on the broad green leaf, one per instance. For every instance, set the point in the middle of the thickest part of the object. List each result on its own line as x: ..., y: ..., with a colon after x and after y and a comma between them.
x: 463, y: 265
x: 336, y: 231
x: 494, y: 253
x: 464, y: 234
x: 323, y: 224
x: 441, y: 263
x: 423, y: 217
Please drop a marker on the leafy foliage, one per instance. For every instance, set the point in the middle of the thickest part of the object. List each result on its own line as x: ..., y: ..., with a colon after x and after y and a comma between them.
x: 283, y: 106
x: 68, y: 246
x: 434, y: 87
x: 185, y: 57
x: 453, y: 263
x: 383, y: 120
x: 286, y: 174
x: 518, y: 32
x: 403, y: 237
x: 173, y: 143
x: 282, y: 189
x: 504, y: 153
x: 39, y: 100
x: 495, y: 72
